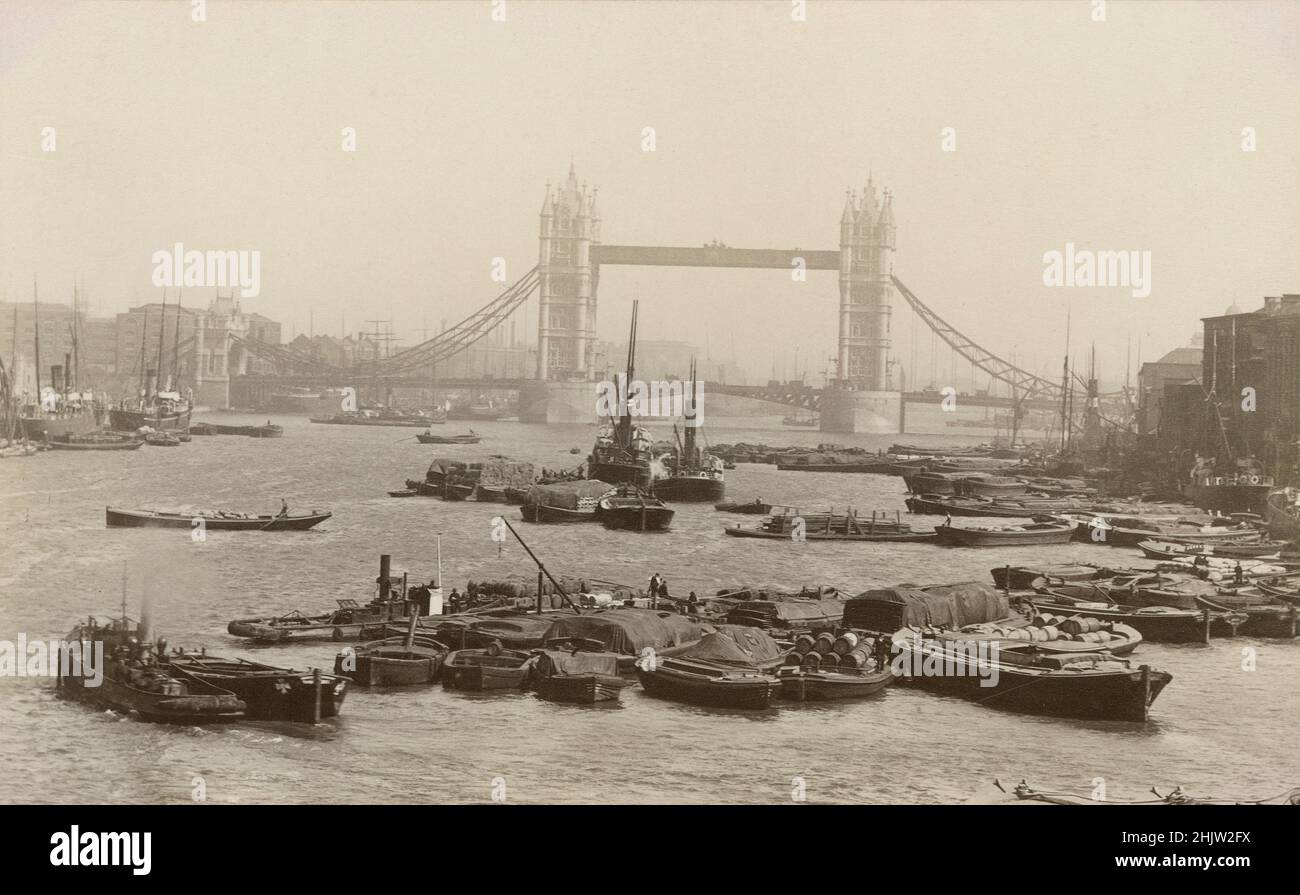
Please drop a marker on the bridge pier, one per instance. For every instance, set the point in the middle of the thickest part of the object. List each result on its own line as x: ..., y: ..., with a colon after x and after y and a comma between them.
x: 557, y: 401
x: 849, y: 411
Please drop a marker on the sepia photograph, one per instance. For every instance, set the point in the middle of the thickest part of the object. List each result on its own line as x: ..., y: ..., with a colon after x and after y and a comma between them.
x: 891, y: 406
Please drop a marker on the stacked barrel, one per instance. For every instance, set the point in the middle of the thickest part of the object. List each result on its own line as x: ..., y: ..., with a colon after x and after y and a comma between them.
x: 827, y: 652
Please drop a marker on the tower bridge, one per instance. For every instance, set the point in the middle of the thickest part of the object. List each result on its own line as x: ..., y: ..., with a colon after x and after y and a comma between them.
x: 860, y: 397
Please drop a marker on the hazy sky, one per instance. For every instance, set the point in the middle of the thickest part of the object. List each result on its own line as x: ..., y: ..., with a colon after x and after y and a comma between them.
x: 1123, y: 134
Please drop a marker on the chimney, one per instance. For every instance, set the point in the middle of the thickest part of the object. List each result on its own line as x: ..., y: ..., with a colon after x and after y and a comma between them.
x: 56, y: 377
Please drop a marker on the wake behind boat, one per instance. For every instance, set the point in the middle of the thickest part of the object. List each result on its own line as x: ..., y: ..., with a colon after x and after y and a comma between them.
x: 217, y: 521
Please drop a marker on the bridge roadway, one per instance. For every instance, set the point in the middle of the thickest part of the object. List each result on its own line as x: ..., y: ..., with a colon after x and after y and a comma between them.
x: 257, y: 389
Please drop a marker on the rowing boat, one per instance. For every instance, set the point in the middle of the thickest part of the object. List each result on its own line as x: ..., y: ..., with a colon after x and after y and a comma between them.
x: 492, y: 668
x: 222, y: 521
x: 1054, y: 532
x: 392, y: 662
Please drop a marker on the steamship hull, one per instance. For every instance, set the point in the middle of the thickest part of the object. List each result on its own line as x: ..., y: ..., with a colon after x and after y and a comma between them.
x: 130, y: 420
x: 620, y: 473
x: 1227, y: 499
x: 687, y: 488
x: 51, y: 428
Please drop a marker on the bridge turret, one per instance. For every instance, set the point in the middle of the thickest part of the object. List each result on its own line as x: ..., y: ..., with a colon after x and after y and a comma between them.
x: 885, y: 226
x: 566, y: 319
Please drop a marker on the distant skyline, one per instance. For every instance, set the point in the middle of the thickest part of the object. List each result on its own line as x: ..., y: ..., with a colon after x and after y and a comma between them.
x: 226, y: 135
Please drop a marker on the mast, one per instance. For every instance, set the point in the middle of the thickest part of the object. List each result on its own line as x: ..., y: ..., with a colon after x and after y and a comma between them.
x: 162, y: 330
x: 36, y: 331
x: 625, y: 421
x: 176, y: 347
x: 144, y: 331
x: 72, y: 375
x: 690, y: 429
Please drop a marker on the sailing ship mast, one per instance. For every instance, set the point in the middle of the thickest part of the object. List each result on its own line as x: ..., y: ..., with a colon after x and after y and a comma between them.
x: 36, y: 331
x: 162, y: 330
x: 625, y: 421
x: 689, y: 435
x: 176, y: 348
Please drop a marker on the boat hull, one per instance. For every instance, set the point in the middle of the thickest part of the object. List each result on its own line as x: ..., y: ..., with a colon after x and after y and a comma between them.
x: 538, y: 513
x: 583, y: 689
x: 730, y: 690
x: 620, y: 473
x: 138, y: 519
x: 912, y: 537
x: 96, y: 445
x: 1185, y: 626
x: 197, y: 708
x: 816, y: 686
x: 635, y: 518
x: 385, y: 671
x: 129, y: 420
x: 290, y: 696
x: 969, y: 537
x: 1122, y: 695
x: 686, y: 489
x: 1236, y: 498
x: 43, y: 428
x: 481, y: 677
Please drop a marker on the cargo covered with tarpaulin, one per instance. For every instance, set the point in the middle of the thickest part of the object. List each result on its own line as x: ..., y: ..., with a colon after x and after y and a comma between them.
x: 502, y: 472
x: 736, y: 645
x: 444, y: 467
x: 514, y: 631
x: 947, y: 605
x: 628, y: 631
x: 568, y: 495
x: 791, y: 615
x: 552, y: 662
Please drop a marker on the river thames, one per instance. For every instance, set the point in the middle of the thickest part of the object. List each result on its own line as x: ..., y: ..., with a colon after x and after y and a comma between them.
x: 1217, y: 730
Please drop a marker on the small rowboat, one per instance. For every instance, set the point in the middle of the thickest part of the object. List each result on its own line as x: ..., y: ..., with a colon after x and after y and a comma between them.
x: 1157, y: 549
x: 161, y: 439
x: 430, y: 438
x: 97, y: 444
x: 753, y: 508
x: 211, y: 521
x: 403, y: 492
x: 392, y: 662
x: 492, y: 668
x: 1053, y: 532
x: 1157, y: 624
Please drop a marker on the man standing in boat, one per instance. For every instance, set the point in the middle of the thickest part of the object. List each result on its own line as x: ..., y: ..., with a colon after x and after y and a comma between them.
x: 284, y: 508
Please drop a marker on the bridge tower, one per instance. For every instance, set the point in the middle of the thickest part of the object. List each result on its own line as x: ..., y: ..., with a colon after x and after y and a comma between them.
x: 566, y: 320
x: 866, y: 293
x: 861, y: 398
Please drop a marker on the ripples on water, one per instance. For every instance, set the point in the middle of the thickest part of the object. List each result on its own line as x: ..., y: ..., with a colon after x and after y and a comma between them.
x: 1216, y: 730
